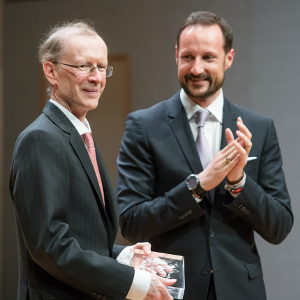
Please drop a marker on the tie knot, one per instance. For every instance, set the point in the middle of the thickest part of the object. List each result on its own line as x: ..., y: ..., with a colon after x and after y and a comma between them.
x: 201, y: 116
x: 88, y: 140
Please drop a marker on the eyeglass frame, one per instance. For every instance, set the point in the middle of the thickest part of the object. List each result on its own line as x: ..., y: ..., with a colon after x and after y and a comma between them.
x: 92, y: 68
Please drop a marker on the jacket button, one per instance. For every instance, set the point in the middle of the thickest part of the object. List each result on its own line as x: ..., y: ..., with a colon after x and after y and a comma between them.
x: 99, y: 296
x: 245, y: 211
x: 94, y: 295
x: 180, y: 218
x: 206, y: 271
x: 190, y: 212
x: 212, y: 234
x: 186, y: 214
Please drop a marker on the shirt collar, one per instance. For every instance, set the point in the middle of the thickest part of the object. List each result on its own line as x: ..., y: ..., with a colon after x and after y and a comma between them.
x: 80, y: 127
x: 215, y: 108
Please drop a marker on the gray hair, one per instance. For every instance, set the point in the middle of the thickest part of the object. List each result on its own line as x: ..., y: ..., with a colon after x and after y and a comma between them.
x: 53, y: 44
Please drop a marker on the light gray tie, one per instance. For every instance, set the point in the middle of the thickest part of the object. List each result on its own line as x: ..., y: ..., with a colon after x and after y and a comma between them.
x: 202, y: 143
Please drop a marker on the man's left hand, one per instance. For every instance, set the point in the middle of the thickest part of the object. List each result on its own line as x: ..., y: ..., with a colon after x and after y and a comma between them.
x: 149, y: 264
x: 243, y: 146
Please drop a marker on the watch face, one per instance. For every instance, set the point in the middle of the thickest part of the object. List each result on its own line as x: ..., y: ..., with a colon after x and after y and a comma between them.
x: 192, y: 182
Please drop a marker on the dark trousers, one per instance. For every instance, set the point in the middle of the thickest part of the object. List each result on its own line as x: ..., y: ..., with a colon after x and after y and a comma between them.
x: 211, y: 294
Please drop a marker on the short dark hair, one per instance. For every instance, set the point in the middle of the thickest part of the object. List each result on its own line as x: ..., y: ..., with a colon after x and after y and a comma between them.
x: 206, y: 18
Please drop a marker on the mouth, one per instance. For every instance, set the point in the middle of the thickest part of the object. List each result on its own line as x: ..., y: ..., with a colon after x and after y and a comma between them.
x: 91, y: 91
x: 198, y: 80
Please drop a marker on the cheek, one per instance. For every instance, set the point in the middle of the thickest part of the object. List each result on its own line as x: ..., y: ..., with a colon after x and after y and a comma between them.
x: 185, y: 67
x: 103, y: 83
x: 182, y: 70
x: 80, y: 80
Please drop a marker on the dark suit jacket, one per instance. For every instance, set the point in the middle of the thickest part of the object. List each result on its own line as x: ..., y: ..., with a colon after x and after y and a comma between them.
x: 157, y: 153
x: 65, y: 235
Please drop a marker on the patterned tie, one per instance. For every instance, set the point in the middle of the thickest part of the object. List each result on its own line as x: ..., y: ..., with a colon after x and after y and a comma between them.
x: 202, y: 143
x: 89, y: 143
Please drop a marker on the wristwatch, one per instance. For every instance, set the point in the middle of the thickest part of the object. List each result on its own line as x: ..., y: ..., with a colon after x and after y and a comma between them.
x: 193, y: 184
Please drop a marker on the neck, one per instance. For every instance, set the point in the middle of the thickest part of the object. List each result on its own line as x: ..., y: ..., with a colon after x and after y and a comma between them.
x: 55, y: 97
x: 205, y: 102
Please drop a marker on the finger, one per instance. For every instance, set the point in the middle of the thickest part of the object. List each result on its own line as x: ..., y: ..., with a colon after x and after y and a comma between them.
x: 161, y: 272
x: 147, y: 248
x: 167, y: 281
x: 232, y: 155
x: 244, y: 130
x: 143, y: 246
x: 246, y: 141
x: 228, y: 147
x: 233, y: 163
x: 229, y: 152
x: 242, y: 151
x: 229, y: 136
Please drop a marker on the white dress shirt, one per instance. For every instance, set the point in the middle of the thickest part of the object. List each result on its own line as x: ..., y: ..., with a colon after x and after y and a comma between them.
x: 213, y: 124
x: 141, y: 281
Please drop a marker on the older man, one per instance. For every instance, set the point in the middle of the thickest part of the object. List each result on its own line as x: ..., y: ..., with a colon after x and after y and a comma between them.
x: 66, y: 212
x: 170, y: 159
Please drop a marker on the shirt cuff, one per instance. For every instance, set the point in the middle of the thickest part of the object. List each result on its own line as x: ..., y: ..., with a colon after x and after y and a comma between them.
x: 140, y: 285
x: 125, y: 256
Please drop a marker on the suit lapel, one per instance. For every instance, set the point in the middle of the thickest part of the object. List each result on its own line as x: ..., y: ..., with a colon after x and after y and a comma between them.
x: 180, y: 126
x: 58, y: 117
x: 230, y: 116
x: 111, y: 207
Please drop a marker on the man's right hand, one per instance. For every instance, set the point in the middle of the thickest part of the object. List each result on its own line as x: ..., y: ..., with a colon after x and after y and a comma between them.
x: 218, y: 168
x: 157, y: 289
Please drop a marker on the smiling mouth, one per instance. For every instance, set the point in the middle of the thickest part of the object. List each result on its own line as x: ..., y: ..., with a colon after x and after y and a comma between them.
x: 197, y: 81
x: 91, y: 91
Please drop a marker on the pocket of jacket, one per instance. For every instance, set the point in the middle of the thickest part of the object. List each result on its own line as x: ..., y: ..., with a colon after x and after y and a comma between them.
x: 254, y: 270
x: 252, y: 164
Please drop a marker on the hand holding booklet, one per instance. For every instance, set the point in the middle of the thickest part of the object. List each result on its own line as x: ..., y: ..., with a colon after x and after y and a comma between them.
x: 165, y: 265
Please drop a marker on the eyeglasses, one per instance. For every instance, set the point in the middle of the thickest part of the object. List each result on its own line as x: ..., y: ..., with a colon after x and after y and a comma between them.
x: 89, y: 69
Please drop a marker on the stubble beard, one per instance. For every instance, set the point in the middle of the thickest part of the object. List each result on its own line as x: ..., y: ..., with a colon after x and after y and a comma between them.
x: 214, y: 85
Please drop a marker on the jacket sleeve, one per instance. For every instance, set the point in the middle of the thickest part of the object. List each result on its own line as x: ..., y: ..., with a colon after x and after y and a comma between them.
x: 40, y: 188
x: 264, y: 202
x: 143, y: 213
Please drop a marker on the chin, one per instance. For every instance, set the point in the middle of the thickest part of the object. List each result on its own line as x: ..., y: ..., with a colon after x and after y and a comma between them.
x: 91, y: 104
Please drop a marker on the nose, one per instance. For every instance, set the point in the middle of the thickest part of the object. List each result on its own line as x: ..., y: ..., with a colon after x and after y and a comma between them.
x: 96, y: 76
x: 197, y: 67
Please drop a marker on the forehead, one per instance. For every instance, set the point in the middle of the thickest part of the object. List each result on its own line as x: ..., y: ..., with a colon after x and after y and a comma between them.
x: 85, y: 49
x: 196, y: 36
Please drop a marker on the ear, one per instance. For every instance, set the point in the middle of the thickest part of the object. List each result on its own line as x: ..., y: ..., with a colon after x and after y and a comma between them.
x: 50, y: 73
x: 176, y: 54
x: 229, y: 59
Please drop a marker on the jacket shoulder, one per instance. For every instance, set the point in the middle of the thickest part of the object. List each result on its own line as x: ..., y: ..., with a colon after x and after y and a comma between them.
x: 251, y: 113
x: 160, y: 110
